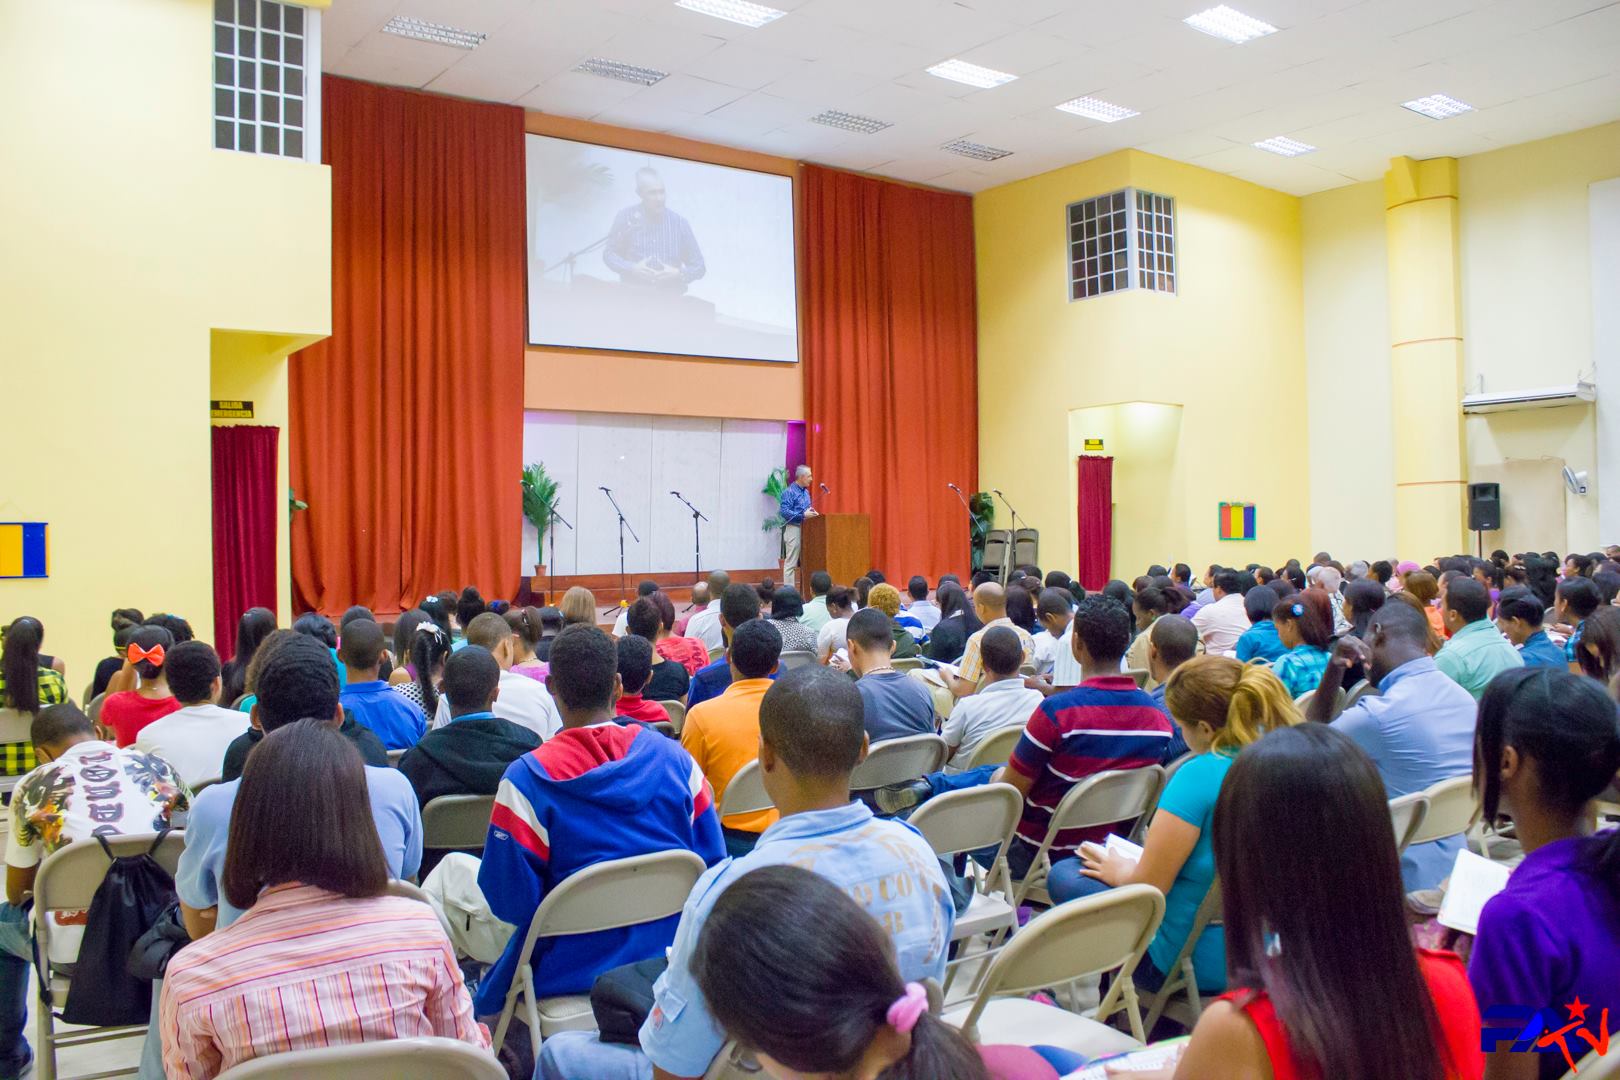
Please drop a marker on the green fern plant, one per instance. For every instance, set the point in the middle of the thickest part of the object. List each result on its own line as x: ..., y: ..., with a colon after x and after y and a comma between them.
x: 775, y: 484
x: 539, y: 492
x: 983, y: 508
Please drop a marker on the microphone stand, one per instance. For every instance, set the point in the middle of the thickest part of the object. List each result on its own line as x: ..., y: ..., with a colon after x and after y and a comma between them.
x: 973, y: 522
x: 697, y: 535
x: 623, y: 525
x: 1006, y: 567
x: 551, y: 537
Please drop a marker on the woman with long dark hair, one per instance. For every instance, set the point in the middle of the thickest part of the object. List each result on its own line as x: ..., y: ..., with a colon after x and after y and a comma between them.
x: 1325, y: 981
x: 796, y: 972
x: 1598, y: 652
x: 957, y: 623
x: 1547, y: 744
x: 26, y: 684
x: 320, y: 946
x: 252, y: 628
x: 430, y: 648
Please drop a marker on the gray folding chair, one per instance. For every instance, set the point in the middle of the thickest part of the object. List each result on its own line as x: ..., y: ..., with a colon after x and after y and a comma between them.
x: 1406, y: 815
x: 746, y: 793
x: 996, y: 747
x: 906, y: 663
x: 1452, y: 810
x: 676, y: 713
x: 1183, y: 978
x: 417, y: 1059
x: 894, y: 761
x: 795, y: 658
x: 67, y: 881
x: 395, y: 755
x: 1105, y: 798
x: 456, y: 822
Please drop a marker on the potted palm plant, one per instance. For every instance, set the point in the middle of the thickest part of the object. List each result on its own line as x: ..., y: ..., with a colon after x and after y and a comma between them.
x: 539, y: 492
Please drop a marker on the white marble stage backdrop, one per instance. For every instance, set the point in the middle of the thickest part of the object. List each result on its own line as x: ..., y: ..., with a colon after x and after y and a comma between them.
x: 720, y: 465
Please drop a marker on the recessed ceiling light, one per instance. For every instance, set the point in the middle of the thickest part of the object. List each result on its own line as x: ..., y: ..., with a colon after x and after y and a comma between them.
x: 737, y: 11
x: 975, y: 150
x: 1281, y: 144
x: 861, y: 125
x: 438, y: 33
x: 1229, y: 24
x: 1097, y: 109
x: 972, y: 74
x: 1438, y: 106
x: 630, y: 73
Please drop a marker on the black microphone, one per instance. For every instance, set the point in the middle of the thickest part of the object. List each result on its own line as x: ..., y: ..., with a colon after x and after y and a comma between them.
x: 676, y: 494
x: 604, y: 489
x: 824, y: 489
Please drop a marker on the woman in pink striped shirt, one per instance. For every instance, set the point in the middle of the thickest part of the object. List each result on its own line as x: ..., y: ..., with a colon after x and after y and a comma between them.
x: 323, y: 956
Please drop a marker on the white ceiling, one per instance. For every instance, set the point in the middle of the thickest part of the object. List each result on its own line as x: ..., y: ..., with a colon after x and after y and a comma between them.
x: 1334, y: 76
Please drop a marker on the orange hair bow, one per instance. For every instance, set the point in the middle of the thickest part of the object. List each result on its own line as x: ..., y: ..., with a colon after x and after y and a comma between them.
x: 136, y: 654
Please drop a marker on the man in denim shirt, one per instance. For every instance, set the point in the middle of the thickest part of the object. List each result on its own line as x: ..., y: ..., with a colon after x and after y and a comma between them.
x: 794, y: 507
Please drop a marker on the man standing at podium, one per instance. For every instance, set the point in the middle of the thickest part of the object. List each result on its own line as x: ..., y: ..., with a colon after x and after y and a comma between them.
x: 794, y: 508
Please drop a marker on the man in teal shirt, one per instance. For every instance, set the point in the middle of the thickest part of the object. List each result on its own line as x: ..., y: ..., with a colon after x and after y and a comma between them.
x: 1477, y: 651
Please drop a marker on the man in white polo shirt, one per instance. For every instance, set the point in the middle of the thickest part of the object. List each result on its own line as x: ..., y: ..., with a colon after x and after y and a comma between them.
x: 1002, y: 701
x: 1222, y: 622
x: 705, y: 624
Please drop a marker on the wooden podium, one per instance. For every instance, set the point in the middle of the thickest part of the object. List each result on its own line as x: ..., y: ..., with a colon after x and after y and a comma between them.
x: 840, y: 544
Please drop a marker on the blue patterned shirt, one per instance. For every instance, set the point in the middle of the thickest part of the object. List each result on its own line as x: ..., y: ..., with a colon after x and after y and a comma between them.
x: 795, y: 501
x: 1300, y: 668
x: 668, y: 240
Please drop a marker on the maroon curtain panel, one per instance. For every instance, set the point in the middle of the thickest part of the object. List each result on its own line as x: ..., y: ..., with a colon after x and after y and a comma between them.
x: 245, y: 506
x: 1096, y: 519
x: 891, y: 363
x: 407, y: 423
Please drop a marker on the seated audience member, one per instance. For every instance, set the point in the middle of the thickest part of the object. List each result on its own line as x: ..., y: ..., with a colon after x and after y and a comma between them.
x: 1021, y: 606
x: 128, y: 711
x: 1055, y: 610
x: 896, y: 705
x: 919, y: 607
x: 296, y: 682
x: 1575, y: 600
x: 740, y: 604
x: 319, y: 944
x: 252, y: 628
x: 1418, y: 729
x: 578, y: 607
x: 834, y: 633
x: 370, y: 747
x: 795, y: 971
x: 551, y: 624
x: 644, y: 589
x: 668, y: 680
x: 1172, y: 642
x: 1328, y: 580
x: 722, y: 734
x: 787, y: 609
x: 700, y: 602
x: 815, y: 614
x: 886, y: 599
x: 1104, y: 723
x: 1304, y: 624
x: 1316, y: 928
x: 319, y: 627
x: 1148, y: 604
x: 635, y: 672
x: 124, y: 622
x: 811, y: 737
x: 1362, y: 598
x: 1477, y: 652
x: 1599, y: 653
x: 195, y: 736
x: 469, y: 605
x: 1547, y: 745
x: 429, y: 649
x: 126, y: 677
x: 522, y: 701
x: 468, y: 755
x: 1424, y: 588
x: 83, y: 787
x: 1260, y: 640
x: 990, y: 603
x: 1003, y: 700
x: 404, y: 633
x: 1220, y: 706
x: 690, y: 653
x: 528, y: 630
x: 863, y: 588
x: 705, y: 625
x: 26, y: 686
x: 1519, y: 616
x: 1224, y: 620
x: 957, y: 622
x: 368, y: 699
x: 595, y: 791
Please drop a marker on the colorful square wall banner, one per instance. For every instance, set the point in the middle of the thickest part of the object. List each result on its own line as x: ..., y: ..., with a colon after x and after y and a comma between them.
x: 22, y: 549
x: 1237, y: 521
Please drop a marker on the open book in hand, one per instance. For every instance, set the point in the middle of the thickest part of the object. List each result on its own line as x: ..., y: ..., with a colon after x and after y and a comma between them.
x: 1474, y: 880
x: 1114, y: 845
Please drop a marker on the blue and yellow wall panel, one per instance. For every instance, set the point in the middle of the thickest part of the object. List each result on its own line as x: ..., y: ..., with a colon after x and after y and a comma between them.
x: 23, y: 549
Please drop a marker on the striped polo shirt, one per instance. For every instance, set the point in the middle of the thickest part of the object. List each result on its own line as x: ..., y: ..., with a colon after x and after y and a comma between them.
x: 1104, y: 723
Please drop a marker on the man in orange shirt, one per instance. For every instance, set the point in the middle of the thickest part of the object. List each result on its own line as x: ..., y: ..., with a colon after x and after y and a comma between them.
x: 722, y: 734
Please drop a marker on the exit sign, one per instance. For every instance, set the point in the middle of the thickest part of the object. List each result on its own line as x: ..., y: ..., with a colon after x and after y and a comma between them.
x: 230, y: 410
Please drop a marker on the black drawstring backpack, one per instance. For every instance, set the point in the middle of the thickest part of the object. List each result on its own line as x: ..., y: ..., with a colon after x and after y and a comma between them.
x: 129, y: 902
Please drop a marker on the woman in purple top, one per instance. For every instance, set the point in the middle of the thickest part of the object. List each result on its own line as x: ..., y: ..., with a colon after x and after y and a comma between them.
x: 1548, y: 742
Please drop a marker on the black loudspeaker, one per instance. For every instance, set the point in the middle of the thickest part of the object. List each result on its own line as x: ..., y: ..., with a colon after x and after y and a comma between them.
x: 1484, y: 507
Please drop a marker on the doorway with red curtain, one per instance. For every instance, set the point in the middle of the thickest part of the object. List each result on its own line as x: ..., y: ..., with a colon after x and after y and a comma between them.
x: 1095, y: 506
x: 245, y: 504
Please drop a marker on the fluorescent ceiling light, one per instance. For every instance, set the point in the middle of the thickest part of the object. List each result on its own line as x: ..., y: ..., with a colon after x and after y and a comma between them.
x: 1097, y: 109
x: 1229, y: 24
x: 1281, y: 144
x: 737, y: 11
x: 861, y: 125
x: 972, y: 74
x: 439, y: 34
x: 978, y: 151
x: 613, y: 69
x: 1438, y: 106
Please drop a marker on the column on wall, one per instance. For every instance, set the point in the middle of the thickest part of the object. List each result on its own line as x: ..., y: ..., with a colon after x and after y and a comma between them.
x: 1425, y: 320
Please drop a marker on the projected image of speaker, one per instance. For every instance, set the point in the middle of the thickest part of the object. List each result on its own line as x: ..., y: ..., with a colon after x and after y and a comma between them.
x: 1484, y: 507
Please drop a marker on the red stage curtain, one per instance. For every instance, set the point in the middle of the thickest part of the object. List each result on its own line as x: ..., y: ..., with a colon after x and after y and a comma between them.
x: 245, y: 506
x: 1096, y: 511
x: 890, y: 363
x: 407, y: 423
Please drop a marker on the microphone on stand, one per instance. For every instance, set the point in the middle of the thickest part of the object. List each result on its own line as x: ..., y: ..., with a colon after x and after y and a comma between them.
x: 953, y: 487
x: 825, y: 490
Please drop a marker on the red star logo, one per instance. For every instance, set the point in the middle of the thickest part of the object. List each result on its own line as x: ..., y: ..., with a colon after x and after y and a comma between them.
x: 1577, y: 1009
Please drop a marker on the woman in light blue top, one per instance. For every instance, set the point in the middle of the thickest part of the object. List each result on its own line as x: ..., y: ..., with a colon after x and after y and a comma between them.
x: 1305, y: 625
x: 1221, y: 706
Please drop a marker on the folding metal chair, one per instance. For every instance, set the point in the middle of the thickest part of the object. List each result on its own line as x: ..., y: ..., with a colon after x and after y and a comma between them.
x: 1105, y: 798
x: 1182, y: 977
x: 456, y: 822
x: 418, y: 1059
x: 894, y: 761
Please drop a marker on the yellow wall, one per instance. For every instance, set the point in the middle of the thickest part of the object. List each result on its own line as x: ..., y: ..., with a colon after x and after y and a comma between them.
x: 1228, y: 348
x: 128, y: 238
